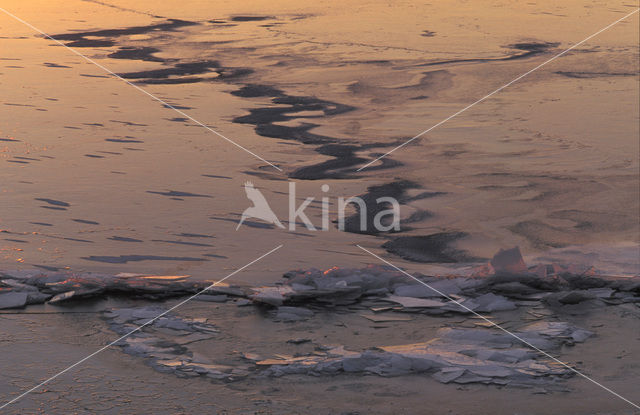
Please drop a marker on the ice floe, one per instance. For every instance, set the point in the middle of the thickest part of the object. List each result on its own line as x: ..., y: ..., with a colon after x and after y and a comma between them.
x: 459, y: 354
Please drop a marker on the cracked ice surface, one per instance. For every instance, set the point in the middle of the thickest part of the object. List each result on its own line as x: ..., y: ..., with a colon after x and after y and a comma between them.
x: 456, y: 355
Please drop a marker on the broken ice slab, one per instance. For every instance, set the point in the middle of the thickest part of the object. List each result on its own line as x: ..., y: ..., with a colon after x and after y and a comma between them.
x: 377, y: 318
x: 494, y: 291
x: 164, y: 342
x: 13, y: 300
x: 430, y: 289
x: 491, y: 302
x: 274, y: 296
x: 68, y: 286
x: 338, y: 286
x: 221, y: 298
x: 62, y: 297
x: 456, y: 355
x: 579, y: 296
x: 411, y: 302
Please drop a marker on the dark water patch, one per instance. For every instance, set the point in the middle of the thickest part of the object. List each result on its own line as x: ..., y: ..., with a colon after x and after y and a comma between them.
x: 46, y: 267
x: 214, y: 256
x: 133, y: 149
x: 583, y: 75
x: 427, y: 33
x: 91, y: 43
x: 10, y: 140
x: 176, y: 193
x: 530, y: 49
x: 396, y: 190
x: 181, y: 242
x: 86, y: 222
x: 291, y: 105
x: 53, y: 207
x: 173, y: 81
x: 216, y: 176
x: 289, y: 108
x: 16, y: 240
x: 95, y: 156
x: 344, y: 163
x: 255, y: 90
x: 117, y: 172
x: 13, y: 104
x: 93, y: 124
x: 78, y: 39
x: 129, y: 123
x: 177, y: 119
x: 41, y: 223
x: 435, y: 248
x: 143, y: 53
x: 299, y: 133
x: 93, y: 76
x: 115, y: 153
x: 164, y: 76
x: 534, y: 46
x: 250, y: 18
x: 75, y: 240
x: 70, y: 127
x: 179, y: 107
x: 123, y: 259
x: 123, y: 140
x: 26, y: 158
x: 338, y: 168
x: 194, y: 235
x: 17, y: 161
x: 124, y: 239
x: 249, y: 223
x: 55, y: 65
x: 179, y: 69
x: 53, y: 201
